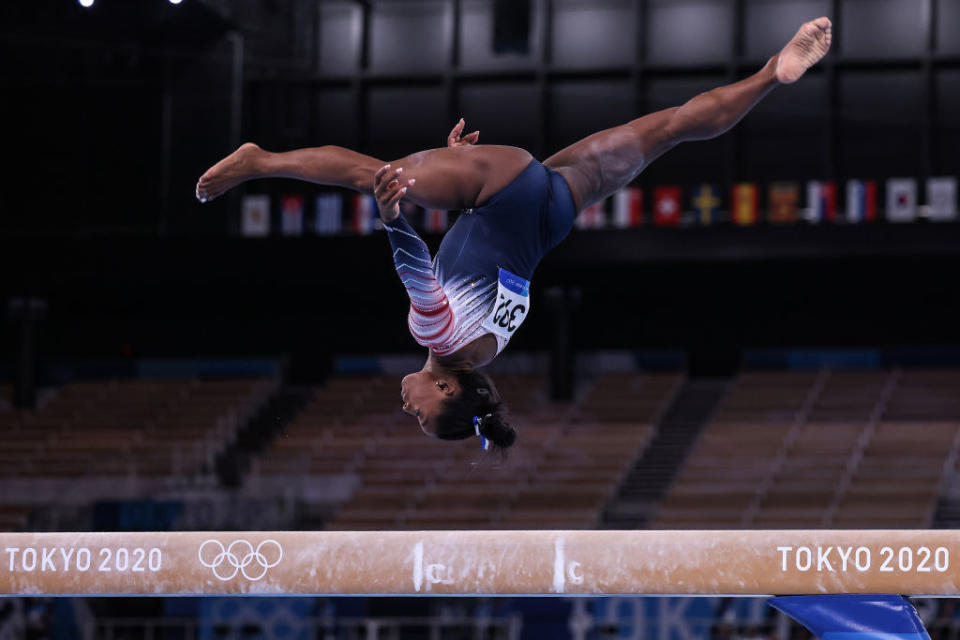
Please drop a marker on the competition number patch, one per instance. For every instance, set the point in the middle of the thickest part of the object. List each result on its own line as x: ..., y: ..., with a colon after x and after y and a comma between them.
x: 511, y: 307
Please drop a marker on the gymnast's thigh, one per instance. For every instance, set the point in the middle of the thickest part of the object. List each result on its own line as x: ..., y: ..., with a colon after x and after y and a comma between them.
x: 461, y: 177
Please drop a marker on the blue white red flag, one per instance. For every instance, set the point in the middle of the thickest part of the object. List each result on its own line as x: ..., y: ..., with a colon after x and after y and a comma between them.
x: 364, y: 214
x: 861, y: 201
x: 821, y: 201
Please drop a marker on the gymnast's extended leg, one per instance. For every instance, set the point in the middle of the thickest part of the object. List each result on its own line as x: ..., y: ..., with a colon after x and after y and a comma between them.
x: 447, y: 178
x: 605, y: 162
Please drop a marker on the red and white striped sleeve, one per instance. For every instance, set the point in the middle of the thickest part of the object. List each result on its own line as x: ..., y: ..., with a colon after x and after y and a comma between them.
x: 431, y: 320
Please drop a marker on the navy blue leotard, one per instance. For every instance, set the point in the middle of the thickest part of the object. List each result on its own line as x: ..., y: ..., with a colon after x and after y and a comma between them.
x: 498, y: 243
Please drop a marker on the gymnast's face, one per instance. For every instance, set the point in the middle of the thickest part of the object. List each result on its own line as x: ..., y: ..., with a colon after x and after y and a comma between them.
x: 423, y: 394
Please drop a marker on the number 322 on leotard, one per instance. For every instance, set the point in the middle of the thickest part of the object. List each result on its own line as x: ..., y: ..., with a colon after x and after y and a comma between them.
x: 511, y: 306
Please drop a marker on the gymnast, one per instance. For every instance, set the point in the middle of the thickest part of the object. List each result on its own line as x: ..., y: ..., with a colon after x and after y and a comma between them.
x: 468, y: 301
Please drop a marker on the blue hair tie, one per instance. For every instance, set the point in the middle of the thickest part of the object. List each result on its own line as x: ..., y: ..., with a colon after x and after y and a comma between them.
x: 484, y: 443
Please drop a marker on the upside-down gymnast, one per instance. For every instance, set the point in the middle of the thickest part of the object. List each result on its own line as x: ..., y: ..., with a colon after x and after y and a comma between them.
x: 467, y: 302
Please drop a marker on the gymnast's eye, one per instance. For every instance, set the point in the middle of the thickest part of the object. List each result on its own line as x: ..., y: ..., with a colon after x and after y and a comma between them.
x: 443, y: 386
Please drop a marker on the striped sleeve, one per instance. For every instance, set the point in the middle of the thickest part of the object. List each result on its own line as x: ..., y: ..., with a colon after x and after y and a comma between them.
x: 431, y: 320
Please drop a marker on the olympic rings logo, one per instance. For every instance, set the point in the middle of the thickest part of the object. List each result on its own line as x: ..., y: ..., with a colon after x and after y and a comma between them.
x: 239, y: 561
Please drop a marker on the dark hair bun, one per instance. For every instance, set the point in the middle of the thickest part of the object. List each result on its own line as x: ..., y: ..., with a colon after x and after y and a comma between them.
x: 497, y: 431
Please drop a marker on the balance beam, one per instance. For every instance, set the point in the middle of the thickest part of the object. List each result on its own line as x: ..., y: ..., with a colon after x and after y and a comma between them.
x: 482, y: 563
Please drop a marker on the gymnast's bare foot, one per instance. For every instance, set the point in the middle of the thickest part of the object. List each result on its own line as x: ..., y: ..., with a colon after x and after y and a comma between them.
x: 806, y: 49
x: 228, y: 173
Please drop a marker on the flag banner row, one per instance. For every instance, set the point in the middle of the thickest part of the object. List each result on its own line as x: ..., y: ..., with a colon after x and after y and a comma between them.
x: 332, y: 214
x: 705, y: 204
x: 780, y: 203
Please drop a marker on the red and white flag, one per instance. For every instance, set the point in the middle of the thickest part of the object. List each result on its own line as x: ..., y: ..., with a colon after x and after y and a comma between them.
x: 667, y: 206
x: 628, y: 208
x: 364, y: 214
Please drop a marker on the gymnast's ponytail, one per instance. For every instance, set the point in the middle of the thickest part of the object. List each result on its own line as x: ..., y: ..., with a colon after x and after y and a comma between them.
x: 476, y: 410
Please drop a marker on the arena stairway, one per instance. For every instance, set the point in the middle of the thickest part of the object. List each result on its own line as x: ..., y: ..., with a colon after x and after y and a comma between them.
x: 646, y: 484
x: 947, y: 512
x: 259, y: 431
x: 947, y: 515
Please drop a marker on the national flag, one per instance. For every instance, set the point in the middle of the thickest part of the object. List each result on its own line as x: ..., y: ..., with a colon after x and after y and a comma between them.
x: 291, y: 218
x: 628, y: 207
x: 901, y: 199
x: 667, y: 206
x: 861, y: 201
x: 705, y: 202
x: 942, y: 198
x: 435, y: 220
x: 783, y: 201
x: 329, y: 214
x: 255, y: 215
x: 744, y: 206
x: 364, y: 214
x: 593, y: 217
x: 821, y: 201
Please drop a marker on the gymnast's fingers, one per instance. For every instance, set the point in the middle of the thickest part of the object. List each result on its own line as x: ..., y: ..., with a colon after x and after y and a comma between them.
x: 472, y: 138
x: 378, y: 176
x: 390, y: 205
x: 386, y: 180
x: 395, y: 197
x: 392, y: 194
x: 384, y: 193
x: 453, y: 140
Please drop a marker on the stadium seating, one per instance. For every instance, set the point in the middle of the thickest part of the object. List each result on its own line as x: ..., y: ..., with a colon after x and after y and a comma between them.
x: 783, y: 449
x: 169, y: 431
x: 821, y: 449
x: 567, y: 462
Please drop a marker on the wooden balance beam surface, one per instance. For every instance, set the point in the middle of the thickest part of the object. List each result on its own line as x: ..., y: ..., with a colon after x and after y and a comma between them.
x: 482, y: 562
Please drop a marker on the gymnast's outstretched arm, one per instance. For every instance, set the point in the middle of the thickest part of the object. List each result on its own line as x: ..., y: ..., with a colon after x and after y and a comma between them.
x: 430, y: 315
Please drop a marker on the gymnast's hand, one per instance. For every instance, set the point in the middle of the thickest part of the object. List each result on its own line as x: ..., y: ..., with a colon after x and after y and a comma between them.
x: 388, y: 190
x: 455, y: 139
